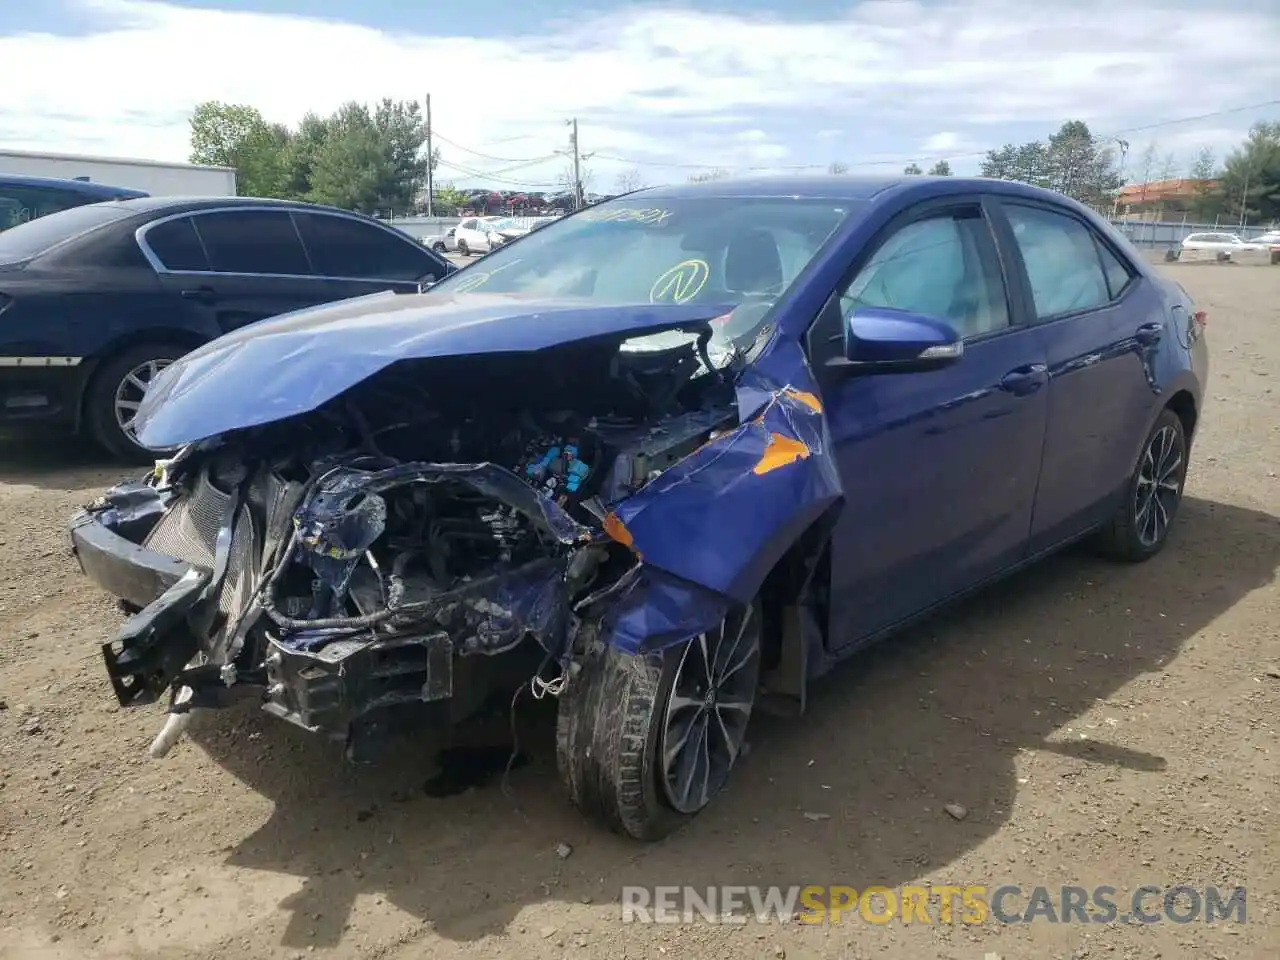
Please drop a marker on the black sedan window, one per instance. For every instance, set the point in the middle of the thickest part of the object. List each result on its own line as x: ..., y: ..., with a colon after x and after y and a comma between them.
x: 347, y: 247
x: 252, y: 242
x: 175, y: 244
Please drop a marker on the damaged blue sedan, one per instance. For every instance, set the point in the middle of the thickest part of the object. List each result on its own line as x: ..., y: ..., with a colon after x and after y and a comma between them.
x: 667, y: 460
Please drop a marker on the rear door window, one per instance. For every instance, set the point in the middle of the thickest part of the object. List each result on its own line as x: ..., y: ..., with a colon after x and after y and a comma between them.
x: 1117, y: 271
x: 1062, y: 261
x: 176, y: 245
x: 252, y: 242
x: 355, y: 249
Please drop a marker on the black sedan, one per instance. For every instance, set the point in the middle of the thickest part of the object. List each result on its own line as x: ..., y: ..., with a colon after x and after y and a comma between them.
x: 96, y: 300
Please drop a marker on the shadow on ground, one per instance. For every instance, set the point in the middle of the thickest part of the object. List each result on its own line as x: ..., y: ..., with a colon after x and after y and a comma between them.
x: 57, y: 462
x: 934, y: 716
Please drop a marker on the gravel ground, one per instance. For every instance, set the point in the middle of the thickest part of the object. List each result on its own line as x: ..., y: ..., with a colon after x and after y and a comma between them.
x: 1099, y: 724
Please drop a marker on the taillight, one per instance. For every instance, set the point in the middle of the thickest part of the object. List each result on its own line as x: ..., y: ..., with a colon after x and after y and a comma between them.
x: 1201, y: 318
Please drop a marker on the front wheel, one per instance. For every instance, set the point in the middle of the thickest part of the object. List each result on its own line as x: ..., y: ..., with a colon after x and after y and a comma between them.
x: 645, y: 743
x: 115, y: 394
x: 1140, y: 527
x: 463, y: 249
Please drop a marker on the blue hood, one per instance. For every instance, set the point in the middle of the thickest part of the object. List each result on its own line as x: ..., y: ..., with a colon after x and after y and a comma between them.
x: 294, y: 363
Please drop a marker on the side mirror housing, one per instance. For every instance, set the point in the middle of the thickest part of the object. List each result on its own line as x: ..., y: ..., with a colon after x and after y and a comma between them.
x: 883, y: 340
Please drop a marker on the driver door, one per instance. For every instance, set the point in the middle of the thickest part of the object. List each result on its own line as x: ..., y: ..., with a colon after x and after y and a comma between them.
x: 939, y: 468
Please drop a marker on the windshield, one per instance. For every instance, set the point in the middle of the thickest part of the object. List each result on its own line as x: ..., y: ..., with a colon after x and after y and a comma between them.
x: 721, y: 251
x: 34, y: 237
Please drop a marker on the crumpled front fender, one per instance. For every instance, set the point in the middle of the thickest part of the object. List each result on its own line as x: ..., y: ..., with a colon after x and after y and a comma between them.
x: 722, y: 517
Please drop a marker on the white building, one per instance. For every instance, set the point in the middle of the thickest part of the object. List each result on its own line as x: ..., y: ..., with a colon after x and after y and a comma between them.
x: 155, y: 177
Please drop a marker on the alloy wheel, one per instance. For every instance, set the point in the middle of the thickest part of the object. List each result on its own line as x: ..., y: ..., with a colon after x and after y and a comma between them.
x: 708, y: 709
x: 1159, y: 487
x: 129, y: 393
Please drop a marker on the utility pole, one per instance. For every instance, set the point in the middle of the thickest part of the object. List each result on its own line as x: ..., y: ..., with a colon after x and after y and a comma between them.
x: 1244, y: 195
x: 577, y: 166
x: 430, y: 163
x: 579, y: 199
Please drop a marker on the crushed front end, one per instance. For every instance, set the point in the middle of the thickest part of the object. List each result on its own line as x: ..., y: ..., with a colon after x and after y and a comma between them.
x: 396, y: 550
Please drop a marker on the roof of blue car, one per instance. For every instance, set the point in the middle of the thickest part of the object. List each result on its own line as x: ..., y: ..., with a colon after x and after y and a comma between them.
x: 85, y: 188
x: 824, y: 187
x: 836, y: 187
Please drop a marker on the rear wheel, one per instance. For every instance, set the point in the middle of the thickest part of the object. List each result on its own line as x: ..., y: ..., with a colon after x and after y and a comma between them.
x: 463, y: 249
x: 116, y: 392
x: 645, y: 743
x: 438, y: 247
x: 1140, y: 527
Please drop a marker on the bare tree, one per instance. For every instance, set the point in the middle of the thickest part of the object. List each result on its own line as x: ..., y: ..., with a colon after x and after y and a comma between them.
x: 837, y: 168
x: 912, y: 170
x: 565, y: 179
x: 1169, y: 167
x: 1146, y: 168
x: 940, y: 169
x: 628, y: 180
x: 719, y: 173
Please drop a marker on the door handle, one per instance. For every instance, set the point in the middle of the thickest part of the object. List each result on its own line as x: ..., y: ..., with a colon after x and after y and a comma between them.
x: 1025, y: 380
x: 1149, y: 334
x: 203, y: 294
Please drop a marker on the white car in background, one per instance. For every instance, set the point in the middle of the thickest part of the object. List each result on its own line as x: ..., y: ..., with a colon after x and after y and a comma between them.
x: 1272, y: 242
x: 1224, y: 244
x: 476, y: 235
x: 443, y: 243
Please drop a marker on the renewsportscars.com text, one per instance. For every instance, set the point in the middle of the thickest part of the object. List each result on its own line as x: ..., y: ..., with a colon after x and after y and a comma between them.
x: 937, y: 904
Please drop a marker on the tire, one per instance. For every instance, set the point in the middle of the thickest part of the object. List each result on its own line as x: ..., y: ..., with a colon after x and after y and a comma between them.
x: 102, y: 395
x: 438, y: 247
x: 463, y: 249
x: 613, y: 725
x: 1135, y: 533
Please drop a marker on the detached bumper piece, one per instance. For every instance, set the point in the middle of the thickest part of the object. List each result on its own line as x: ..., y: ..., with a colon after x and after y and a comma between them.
x: 155, y: 644
x: 330, y: 689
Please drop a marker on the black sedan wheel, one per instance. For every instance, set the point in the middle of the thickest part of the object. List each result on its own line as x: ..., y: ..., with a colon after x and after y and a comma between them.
x: 645, y: 743
x: 115, y: 394
x: 1141, y: 524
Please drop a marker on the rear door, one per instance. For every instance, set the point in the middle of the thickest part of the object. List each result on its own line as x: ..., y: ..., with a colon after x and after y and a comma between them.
x: 240, y: 265
x: 353, y: 256
x: 1102, y: 324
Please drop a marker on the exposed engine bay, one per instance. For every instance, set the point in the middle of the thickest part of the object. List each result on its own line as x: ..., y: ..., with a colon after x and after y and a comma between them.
x: 342, y: 560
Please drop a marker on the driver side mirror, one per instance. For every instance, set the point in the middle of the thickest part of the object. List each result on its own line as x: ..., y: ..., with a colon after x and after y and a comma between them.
x: 883, y: 340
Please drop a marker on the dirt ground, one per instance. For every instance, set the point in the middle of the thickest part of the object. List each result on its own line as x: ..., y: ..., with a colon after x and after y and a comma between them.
x: 1101, y: 724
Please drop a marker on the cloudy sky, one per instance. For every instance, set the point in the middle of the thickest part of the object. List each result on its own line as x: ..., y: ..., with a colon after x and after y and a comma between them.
x: 665, y: 89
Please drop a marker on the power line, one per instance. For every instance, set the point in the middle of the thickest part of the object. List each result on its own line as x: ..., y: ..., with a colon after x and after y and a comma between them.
x: 936, y: 157
x: 485, y: 175
x: 519, y: 163
x: 483, y: 156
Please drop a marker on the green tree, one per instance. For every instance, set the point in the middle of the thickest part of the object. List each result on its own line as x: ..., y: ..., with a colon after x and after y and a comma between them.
x: 448, y: 200
x: 912, y: 170
x: 1250, y: 179
x: 359, y: 158
x: 1072, y: 161
x: 234, y: 135
x: 940, y: 169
